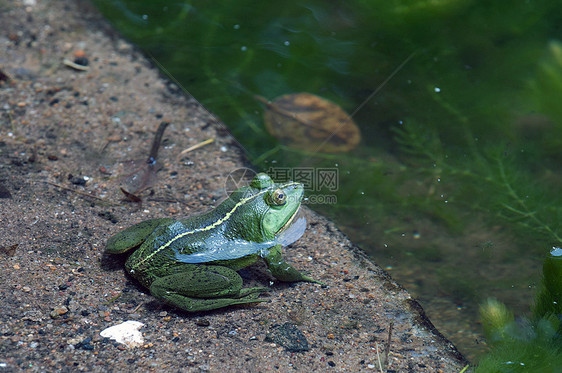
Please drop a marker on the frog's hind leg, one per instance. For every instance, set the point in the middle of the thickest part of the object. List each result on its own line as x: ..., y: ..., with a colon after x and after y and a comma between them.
x: 133, y: 236
x: 204, y: 288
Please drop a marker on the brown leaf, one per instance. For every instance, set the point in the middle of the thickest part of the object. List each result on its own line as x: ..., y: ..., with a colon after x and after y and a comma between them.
x: 309, y: 122
x: 144, y: 174
x: 130, y: 196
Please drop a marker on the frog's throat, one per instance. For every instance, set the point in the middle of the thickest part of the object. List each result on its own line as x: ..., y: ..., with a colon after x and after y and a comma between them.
x: 217, y: 223
x: 288, y: 223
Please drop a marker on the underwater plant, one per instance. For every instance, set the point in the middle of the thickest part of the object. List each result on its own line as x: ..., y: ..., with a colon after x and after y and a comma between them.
x: 531, y: 344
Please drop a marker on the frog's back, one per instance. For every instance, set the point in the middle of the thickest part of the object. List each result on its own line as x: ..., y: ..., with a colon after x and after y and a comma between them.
x: 228, y: 232
x: 187, y: 236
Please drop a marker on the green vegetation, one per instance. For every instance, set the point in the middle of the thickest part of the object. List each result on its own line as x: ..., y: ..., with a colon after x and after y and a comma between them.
x: 527, y: 345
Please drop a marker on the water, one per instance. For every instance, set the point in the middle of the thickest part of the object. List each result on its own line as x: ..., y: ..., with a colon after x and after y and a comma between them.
x: 454, y: 185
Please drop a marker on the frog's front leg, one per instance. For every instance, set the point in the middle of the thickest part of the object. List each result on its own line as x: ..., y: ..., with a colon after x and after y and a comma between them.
x: 281, y: 270
x: 204, y: 287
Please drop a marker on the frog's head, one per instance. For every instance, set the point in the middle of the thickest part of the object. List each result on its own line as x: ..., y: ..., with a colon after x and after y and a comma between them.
x: 268, y: 207
x: 283, y: 202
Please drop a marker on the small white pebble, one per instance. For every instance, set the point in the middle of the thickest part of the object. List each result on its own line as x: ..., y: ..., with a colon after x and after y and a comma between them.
x: 126, y: 333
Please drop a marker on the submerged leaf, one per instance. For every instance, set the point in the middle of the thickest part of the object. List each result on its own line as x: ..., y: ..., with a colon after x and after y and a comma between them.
x: 309, y: 122
x: 130, y: 196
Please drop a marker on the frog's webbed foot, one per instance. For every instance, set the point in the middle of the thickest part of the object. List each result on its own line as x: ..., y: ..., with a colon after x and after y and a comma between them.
x: 198, y: 304
x: 205, y: 288
x: 282, y: 270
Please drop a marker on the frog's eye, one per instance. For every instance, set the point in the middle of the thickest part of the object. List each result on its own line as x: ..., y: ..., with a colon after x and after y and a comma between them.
x: 278, y: 197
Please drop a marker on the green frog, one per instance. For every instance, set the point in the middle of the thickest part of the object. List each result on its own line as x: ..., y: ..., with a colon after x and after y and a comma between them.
x: 191, y: 263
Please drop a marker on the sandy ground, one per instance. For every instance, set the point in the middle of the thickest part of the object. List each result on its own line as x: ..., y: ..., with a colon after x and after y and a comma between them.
x: 66, y: 139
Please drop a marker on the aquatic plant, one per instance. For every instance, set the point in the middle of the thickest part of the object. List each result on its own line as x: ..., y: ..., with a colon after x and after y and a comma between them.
x: 492, y: 178
x: 531, y: 344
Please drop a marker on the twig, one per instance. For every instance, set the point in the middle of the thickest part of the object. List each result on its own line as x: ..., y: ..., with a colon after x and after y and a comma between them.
x: 194, y: 147
x: 367, y: 99
x: 166, y: 200
x: 81, y: 193
x: 379, y: 357
x: 75, y: 66
x: 156, y: 143
x: 137, y: 308
x: 111, y: 300
x: 387, y: 349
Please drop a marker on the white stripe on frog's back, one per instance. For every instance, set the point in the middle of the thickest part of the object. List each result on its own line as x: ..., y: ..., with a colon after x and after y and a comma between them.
x: 217, y: 223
